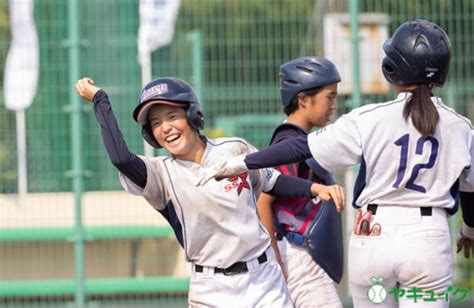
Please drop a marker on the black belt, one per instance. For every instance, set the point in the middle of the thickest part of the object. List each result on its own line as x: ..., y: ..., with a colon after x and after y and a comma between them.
x: 425, y: 211
x: 236, y: 268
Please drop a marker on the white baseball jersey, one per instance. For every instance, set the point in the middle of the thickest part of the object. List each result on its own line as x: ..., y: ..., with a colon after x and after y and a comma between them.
x: 398, y: 165
x: 219, y: 220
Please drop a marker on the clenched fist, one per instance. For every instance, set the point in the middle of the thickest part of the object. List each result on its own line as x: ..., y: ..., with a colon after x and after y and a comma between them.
x: 86, y: 89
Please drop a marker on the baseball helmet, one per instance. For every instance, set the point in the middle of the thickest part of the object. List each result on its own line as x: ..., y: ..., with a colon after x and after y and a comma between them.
x: 305, y: 73
x: 170, y: 91
x: 419, y: 52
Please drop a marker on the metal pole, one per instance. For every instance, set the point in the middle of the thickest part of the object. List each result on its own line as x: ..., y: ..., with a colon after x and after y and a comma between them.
x: 21, y: 152
x: 195, y: 38
x: 76, y: 150
x: 146, y: 76
x: 356, y: 92
x: 356, y: 101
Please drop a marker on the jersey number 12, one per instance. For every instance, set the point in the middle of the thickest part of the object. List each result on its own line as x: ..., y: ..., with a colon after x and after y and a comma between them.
x: 403, y: 142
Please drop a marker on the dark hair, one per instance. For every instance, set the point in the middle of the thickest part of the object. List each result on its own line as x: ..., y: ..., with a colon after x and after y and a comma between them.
x: 422, y: 111
x: 293, y: 105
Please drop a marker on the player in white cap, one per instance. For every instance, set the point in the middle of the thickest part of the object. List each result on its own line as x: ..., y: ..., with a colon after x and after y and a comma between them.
x: 217, y: 225
x: 416, y: 154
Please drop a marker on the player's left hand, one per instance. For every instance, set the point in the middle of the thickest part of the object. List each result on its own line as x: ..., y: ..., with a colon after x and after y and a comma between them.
x: 326, y: 193
x: 227, y: 169
x: 86, y: 89
x: 466, y: 244
x: 465, y: 241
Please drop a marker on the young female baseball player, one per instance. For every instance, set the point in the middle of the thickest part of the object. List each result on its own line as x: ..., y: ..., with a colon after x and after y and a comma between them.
x: 415, y: 155
x: 308, y: 87
x: 217, y: 225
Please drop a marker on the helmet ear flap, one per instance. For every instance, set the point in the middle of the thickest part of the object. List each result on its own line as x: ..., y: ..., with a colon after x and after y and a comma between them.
x: 195, y: 116
x: 389, y: 69
x: 148, y: 136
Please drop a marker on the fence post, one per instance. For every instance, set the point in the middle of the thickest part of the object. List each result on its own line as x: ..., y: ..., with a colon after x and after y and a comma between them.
x: 76, y: 149
x: 195, y: 39
x: 356, y: 95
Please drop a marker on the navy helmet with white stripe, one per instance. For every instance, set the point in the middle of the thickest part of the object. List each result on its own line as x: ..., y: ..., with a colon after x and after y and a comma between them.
x: 419, y: 52
x: 171, y: 91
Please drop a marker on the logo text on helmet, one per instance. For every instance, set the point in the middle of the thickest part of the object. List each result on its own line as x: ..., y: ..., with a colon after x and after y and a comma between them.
x: 431, y: 71
x: 155, y: 90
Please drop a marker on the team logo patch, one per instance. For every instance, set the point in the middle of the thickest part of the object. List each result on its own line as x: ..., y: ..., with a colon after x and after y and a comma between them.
x: 238, y: 182
x: 159, y: 89
x: 268, y: 174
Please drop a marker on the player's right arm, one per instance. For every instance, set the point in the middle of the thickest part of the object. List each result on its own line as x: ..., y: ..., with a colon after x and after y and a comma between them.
x: 264, y: 205
x: 282, y: 185
x: 129, y: 164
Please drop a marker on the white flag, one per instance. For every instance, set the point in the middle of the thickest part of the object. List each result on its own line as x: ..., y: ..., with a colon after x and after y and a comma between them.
x: 157, y: 19
x: 22, y: 65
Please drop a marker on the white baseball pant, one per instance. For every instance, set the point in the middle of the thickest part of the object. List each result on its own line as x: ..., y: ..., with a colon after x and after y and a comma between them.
x: 412, y: 251
x: 308, y: 283
x: 262, y: 286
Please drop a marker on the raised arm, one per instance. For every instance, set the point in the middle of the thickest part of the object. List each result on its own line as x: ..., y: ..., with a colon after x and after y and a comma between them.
x: 132, y: 166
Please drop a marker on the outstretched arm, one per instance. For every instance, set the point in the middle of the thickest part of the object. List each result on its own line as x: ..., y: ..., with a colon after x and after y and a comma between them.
x: 291, y: 186
x: 126, y: 162
x: 284, y: 152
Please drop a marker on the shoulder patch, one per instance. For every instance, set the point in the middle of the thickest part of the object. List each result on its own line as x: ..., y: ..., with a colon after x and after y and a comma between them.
x: 269, y: 173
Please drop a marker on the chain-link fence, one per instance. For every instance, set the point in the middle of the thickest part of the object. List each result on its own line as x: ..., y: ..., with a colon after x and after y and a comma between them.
x: 230, y: 51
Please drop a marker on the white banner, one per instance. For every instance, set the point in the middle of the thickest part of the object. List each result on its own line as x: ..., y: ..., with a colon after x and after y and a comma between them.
x: 22, y: 65
x: 157, y: 20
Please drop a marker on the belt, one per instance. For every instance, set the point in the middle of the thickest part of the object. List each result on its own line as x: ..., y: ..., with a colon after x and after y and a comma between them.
x: 236, y: 268
x: 424, y: 211
x: 292, y: 237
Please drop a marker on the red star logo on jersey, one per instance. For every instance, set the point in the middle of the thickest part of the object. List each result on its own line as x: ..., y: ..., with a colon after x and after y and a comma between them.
x: 239, y: 182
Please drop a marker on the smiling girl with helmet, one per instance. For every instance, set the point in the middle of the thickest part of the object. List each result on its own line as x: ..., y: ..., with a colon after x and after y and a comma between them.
x: 232, y: 262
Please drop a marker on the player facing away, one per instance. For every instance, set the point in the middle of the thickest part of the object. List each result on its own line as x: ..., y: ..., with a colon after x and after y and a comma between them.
x: 217, y: 224
x: 308, y: 87
x: 415, y: 155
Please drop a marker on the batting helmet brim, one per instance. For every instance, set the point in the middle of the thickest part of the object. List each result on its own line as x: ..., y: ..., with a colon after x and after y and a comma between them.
x: 140, y: 114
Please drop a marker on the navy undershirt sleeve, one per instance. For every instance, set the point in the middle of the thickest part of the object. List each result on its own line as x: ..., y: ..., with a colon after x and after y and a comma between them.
x: 132, y: 166
x: 467, y: 206
x: 291, y: 186
x: 285, y: 152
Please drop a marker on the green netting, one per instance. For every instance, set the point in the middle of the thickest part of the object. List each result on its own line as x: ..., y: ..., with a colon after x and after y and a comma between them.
x: 230, y: 51
x: 242, y: 45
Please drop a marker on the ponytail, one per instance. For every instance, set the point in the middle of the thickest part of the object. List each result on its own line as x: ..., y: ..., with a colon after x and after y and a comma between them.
x: 422, y: 111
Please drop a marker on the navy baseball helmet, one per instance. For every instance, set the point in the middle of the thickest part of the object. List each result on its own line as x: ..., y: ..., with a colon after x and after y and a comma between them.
x: 305, y: 73
x: 419, y: 52
x: 169, y: 91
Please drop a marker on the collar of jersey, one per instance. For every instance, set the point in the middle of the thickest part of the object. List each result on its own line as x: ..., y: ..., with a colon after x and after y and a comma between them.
x: 403, y: 95
x: 189, y: 163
